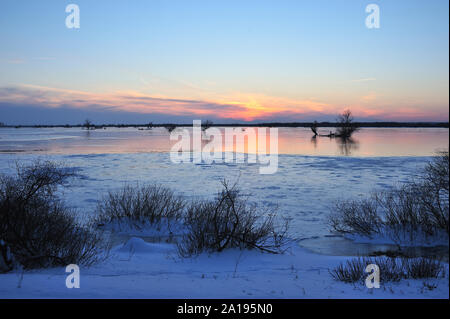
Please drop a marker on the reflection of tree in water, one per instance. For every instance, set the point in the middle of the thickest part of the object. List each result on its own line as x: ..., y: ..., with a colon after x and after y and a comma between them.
x: 347, y: 145
x: 314, y: 141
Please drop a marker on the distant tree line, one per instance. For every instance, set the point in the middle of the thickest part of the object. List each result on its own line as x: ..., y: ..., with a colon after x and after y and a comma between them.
x: 261, y: 124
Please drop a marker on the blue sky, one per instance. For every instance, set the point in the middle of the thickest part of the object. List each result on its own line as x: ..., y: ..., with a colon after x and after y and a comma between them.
x: 238, y: 60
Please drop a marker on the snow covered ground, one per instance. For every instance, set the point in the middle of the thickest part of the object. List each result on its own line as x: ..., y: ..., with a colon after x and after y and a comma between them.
x: 304, y: 189
x: 152, y: 270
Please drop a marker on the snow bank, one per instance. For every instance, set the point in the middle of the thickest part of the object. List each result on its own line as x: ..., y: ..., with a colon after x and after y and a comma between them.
x: 147, y: 270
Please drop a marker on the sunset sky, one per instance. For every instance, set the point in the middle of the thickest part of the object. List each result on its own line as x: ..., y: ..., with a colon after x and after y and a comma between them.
x: 227, y: 61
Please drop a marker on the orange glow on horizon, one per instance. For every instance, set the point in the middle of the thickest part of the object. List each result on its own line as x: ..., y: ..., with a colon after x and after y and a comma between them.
x: 238, y: 106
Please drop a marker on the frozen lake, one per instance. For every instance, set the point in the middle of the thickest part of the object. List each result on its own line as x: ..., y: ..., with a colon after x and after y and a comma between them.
x: 311, y: 174
x: 299, y: 141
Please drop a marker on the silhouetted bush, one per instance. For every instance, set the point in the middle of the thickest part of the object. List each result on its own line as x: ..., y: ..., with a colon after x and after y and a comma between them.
x: 418, y: 268
x: 357, y: 216
x: 418, y: 209
x: 391, y: 269
x: 346, y: 125
x: 435, y: 195
x: 140, y: 205
x: 206, y: 125
x: 88, y: 125
x: 350, y: 272
x: 36, y: 226
x: 170, y: 127
x: 229, y: 222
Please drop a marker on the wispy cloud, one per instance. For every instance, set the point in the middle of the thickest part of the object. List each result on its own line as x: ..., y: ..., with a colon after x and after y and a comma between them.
x: 369, y: 97
x: 22, y: 60
x: 16, y: 61
x: 364, y: 80
x: 115, y: 101
x: 44, y: 58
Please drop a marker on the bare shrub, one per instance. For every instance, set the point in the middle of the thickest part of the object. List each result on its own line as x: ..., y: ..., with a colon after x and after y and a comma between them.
x: 417, y: 209
x: 405, y: 215
x: 229, y: 222
x: 88, y: 125
x: 206, y: 125
x: 357, y: 216
x: 140, y: 205
x: 418, y: 268
x: 346, y: 125
x: 37, y: 227
x: 170, y: 127
x: 391, y: 269
x: 350, y: 272
x: 435, y: 197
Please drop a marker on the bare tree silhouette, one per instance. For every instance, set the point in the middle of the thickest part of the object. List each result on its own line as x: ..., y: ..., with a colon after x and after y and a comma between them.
x: 170, y: 127
x: 88, y: 125
x: 346, y: 125
x: 207, y: 125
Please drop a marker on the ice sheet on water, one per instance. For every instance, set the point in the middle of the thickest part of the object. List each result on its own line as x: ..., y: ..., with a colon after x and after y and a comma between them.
x: 304, y: 189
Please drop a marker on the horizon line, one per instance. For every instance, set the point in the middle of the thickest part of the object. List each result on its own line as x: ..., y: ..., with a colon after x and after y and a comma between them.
x: 412, y: 124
